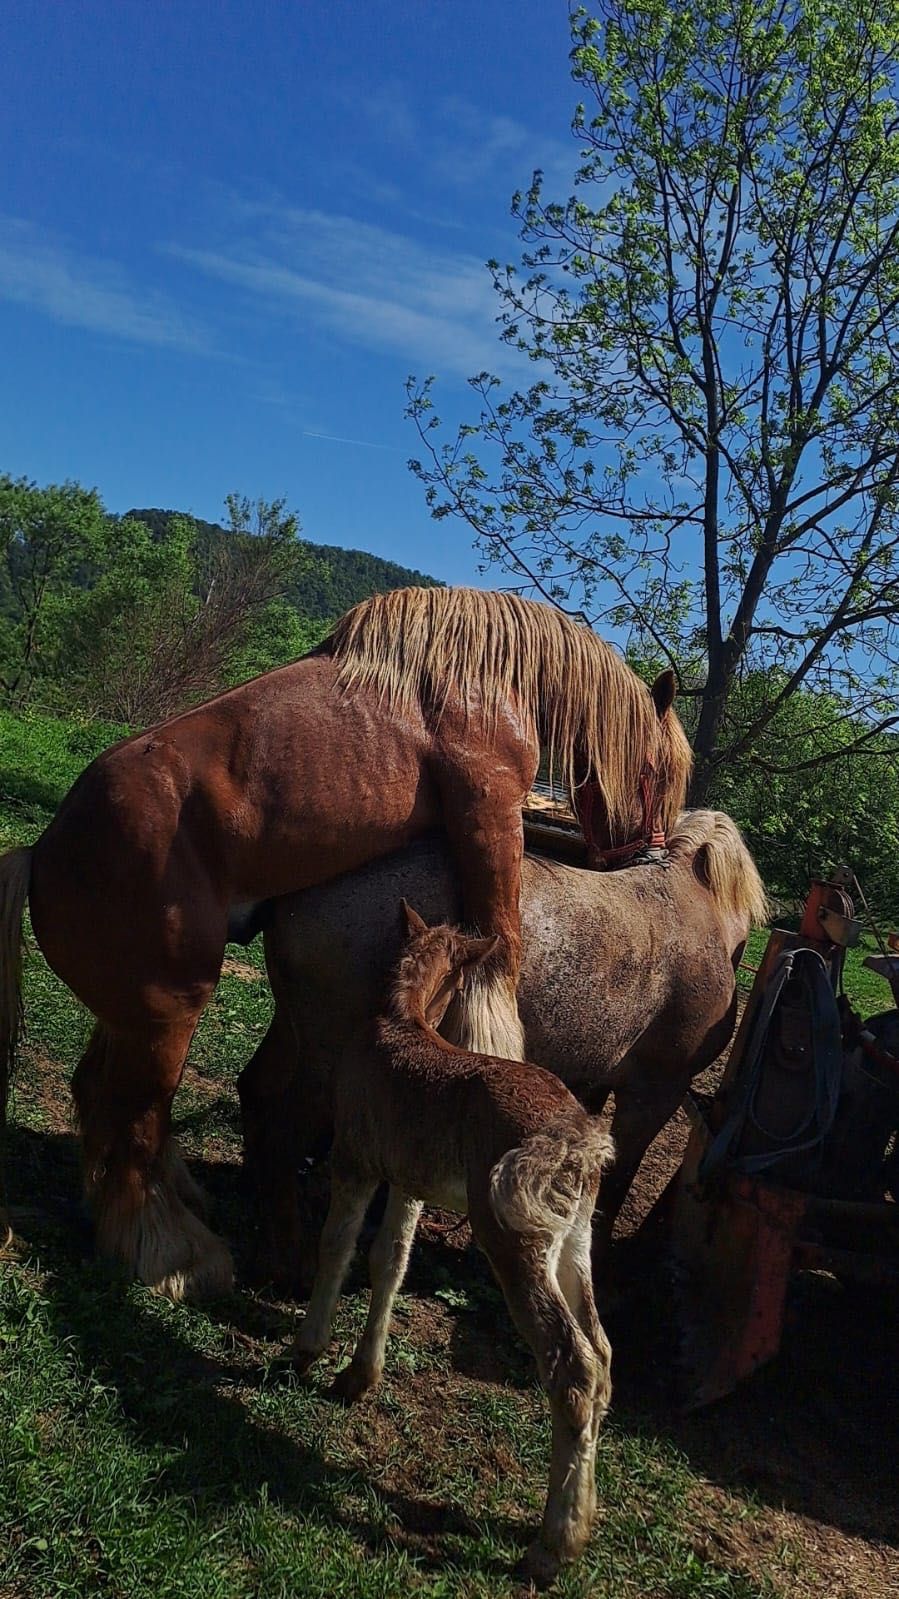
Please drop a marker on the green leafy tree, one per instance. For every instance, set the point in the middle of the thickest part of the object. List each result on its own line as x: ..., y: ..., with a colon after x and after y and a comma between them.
x: 116, y: 618
x: 49, y: 537
x: 171, y: 617
x: 708, y: 456
x: 835, y: 800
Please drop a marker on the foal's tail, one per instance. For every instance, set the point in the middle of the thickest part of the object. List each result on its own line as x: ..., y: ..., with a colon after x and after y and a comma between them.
x: 538, y: 1186
x: 15, y: 876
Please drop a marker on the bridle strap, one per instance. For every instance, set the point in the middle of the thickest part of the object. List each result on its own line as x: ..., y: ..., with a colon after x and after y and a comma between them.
x: 650, y: 839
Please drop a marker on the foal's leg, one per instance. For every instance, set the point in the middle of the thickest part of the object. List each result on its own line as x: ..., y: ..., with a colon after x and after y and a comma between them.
x: 568, y: 1369
x: 350, y: 1198
x: 388, y: 1260
x: 136, y: 1184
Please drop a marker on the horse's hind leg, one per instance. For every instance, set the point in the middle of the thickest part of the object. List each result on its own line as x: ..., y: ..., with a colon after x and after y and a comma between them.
x: 275, y: 1124
x: 135, y: 1182
x: 639, y: 1115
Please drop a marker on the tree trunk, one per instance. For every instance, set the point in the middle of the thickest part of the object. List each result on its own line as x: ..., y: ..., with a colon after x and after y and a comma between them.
x: 705, y: 742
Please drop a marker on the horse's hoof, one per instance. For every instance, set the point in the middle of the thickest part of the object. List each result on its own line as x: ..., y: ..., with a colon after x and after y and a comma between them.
x: 167, y: 1247
x: 351, y: 1383
x: 211, y: 1276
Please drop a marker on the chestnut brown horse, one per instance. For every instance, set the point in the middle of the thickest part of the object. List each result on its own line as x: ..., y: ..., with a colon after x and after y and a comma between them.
x: 627, y: 986
x: 425, y: 707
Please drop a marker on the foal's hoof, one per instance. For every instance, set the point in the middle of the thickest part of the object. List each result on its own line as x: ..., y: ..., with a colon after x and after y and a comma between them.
x: 302, y: 1360
x: 539, y: 1566
x: 351, y: 1383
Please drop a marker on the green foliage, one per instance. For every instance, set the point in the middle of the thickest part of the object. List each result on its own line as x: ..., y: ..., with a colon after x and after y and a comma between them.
x: 815, y: 797
x: 49, y: 539
x: 330, y: 581
x: 130, y: 619
x: 40, y: 758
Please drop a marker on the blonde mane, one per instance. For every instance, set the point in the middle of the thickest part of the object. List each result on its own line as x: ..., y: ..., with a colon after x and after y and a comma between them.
x: 416, y: 646
x: 733, y: 877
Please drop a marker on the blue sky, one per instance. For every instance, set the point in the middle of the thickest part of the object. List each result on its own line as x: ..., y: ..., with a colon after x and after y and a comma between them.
x: 229, y: 230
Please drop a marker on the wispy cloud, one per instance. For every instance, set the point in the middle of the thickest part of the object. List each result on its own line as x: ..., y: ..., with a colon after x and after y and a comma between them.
x: 459, y: 145
x: 86, y: 292
x: 368, y: 285
x: 471, y: 146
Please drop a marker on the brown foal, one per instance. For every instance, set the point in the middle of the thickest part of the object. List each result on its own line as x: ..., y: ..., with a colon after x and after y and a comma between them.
x: 504, y: 1142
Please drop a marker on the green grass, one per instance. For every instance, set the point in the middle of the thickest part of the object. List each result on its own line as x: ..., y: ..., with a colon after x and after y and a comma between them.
x: 159, y: 1451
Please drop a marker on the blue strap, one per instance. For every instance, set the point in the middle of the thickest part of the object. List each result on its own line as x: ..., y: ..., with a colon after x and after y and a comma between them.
x: 827, y: 1061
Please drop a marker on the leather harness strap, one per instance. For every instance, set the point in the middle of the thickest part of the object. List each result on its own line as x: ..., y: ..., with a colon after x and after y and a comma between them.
x: 650, y: 838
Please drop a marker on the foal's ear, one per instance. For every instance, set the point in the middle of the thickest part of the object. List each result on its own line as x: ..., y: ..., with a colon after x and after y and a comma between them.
x: 478, y: 950
x: 663, y: 691
x: 414, y: 924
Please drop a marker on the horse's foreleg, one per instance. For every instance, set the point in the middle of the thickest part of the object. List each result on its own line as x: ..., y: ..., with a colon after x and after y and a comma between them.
x: 639, y: 1117
x: 485, y: 832
x: 135, y: 1182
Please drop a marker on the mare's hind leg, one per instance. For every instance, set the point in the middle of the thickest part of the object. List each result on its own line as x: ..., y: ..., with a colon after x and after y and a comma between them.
x: 639, y: 1116
x: 283, y: 1121
x: 135, y: 1182
x: 388, y: 1259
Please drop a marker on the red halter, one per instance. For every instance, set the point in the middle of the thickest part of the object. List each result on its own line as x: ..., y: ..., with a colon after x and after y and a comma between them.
x: 652, y: 835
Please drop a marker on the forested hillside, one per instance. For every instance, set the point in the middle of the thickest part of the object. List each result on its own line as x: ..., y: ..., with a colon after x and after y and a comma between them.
x: 130, y: 618
x: 332, y: 579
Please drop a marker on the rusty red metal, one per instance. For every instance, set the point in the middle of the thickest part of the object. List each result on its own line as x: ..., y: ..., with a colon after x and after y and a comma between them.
x: 738, y: 1238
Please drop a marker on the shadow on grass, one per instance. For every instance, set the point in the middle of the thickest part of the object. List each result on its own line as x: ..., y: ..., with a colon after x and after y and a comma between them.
x: 813, y: 1433
x: 197, y: 1405
x: 26, y: 792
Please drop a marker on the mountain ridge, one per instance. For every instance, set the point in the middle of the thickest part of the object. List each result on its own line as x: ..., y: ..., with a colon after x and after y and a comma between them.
x: 336, y: 578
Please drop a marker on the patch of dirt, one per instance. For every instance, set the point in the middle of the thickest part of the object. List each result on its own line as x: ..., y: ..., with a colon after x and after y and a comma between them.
x: 245, y: 970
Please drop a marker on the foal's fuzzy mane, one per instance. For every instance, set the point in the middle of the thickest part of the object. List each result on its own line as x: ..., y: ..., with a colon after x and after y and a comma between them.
x: 732, y: 874
x: 414, y: 971
x: 415, y: 646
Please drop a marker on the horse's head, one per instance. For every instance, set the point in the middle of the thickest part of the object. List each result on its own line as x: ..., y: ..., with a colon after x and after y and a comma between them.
x: 433, y: 967
x: 660, y: 777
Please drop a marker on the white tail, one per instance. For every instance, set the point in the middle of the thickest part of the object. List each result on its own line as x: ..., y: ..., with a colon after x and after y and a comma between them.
x: 537, y: 1187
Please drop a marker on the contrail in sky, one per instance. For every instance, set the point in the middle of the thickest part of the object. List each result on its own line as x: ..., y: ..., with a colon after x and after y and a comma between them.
x: 337, y: 438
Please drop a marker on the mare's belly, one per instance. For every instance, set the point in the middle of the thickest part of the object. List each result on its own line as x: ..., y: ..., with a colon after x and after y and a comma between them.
x: 445, y: 1194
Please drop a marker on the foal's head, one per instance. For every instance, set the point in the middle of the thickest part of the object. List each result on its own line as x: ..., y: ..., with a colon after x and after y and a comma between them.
x: 433, y: 968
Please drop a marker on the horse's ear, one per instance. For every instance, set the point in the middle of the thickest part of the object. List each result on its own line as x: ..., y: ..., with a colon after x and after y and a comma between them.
x: 414, y: 924
x: 701, y: 868
x: 663, y: 691
x: 478, y: 950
